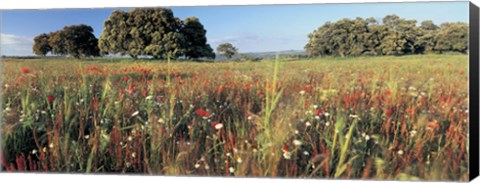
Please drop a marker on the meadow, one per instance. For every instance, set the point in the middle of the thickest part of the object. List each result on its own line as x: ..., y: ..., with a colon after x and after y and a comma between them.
x: 386, y: 117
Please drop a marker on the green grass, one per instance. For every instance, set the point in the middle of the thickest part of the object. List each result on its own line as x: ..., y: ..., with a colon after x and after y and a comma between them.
x: 367, y: 117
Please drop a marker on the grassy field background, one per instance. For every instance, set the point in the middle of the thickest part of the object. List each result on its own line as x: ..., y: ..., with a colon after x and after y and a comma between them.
x: 386, y: 117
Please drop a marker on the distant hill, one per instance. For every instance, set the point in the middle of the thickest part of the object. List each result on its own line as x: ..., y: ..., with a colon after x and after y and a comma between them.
x: 266, y: 55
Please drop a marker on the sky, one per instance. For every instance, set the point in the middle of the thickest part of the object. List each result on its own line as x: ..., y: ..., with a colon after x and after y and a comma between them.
x: 249, y: 28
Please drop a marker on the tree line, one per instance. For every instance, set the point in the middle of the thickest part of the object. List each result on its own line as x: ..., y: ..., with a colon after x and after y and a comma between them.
x: 157, y: 33
x: 154, y: 32
x: 76, y: 40
x: 392, y: 36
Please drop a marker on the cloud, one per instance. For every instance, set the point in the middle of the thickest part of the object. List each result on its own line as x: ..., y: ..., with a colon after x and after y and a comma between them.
x: 256, y: 43
x: 15, y: 45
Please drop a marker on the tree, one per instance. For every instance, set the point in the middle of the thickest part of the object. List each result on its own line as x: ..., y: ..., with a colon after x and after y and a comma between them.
x: 400, y: 37
x: 76, y: 40
x: 115, y: 37
x: 80, y: 42
x: 195, y: 39
x: 227, y: 50
x: 426, y: 39
x: 143, y: 31
x: 318, y: 44
x: 393, y: 36
x: 154, y: 32
x: 56, y: 41
x: 41, y: 46
x: 452, y: 37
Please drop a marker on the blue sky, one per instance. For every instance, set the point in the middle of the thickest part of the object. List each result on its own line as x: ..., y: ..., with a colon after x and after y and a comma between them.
x: 249, y: 28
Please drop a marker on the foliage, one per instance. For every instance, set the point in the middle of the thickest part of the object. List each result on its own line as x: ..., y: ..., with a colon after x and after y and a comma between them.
x: 395, y: 36
x: 195, y: 39
x: 227, y: 50
x: 154, y: 32
x: 76, y: 40
x: 41, y: 46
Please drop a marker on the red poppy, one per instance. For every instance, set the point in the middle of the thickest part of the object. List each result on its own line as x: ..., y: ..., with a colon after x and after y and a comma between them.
x: 220, y: 89
x: 21, y: 79
x: 410, y: 111
x: 131, y: 89
x: 347, y: 100
x: 387, y: 92
x: 51, y: 98
x: 318, y: 112
x: 389, y: 112
x: 285, y: 148
x: 203, y: 113
x: 25, y: 70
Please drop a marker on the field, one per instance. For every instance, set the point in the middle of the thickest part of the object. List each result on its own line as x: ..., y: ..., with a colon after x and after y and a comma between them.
x: 403, y: 118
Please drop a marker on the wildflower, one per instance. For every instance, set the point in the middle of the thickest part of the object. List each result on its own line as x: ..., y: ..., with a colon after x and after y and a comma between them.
x: 134, y: 154
x: 306, y: 153
x: 367, y: 137
x: 51, y: 145
x: 217, y: 125
x: 297, y: 132
x: 229, y: 154
x: 327, y: 124
x: 285, y: 148
x: 315, y: 106
x: 87, y: 136
x: 287, y: 155
x: 203, y: 113
x: 327, y: 114
x: 413, y: 133
x: 207, y: 167
x: 400, y: 152
x: 302, y: 92
x: 433, y: 125
x: 160, y: 120
x: 297, y: 142
x: 131, y: 90
x: 387, y: 92
x: 197, y: 165
x: 34, y: 151
x: 130, y: 138
x: 239, y: 160
x: 148, y: 97
x: 135, y: 113
x: 51, y: 98
x: 389, y: 112
x: 25, y: 70
x: 231, y: 169
x: 307, y: 124
x: 318, y: 112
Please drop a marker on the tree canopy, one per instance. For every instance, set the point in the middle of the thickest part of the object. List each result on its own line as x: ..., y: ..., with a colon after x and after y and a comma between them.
x: 394, y: 36
x: 76, y: 40
x: 227, y: 50
x: 154, y: 32
x: 41, y: 46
